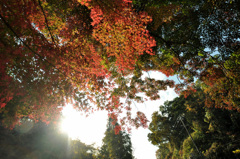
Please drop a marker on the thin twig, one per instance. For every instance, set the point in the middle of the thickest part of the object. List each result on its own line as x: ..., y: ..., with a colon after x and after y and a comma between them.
x: 45, y: 17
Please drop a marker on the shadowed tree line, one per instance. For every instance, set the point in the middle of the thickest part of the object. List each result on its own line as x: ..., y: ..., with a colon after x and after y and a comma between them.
x: 40, y: 141
x: 215, y: 132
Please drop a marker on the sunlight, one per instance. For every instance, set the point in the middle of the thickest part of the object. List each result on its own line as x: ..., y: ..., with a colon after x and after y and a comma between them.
x: 70, y: 122
x: 87, y: 129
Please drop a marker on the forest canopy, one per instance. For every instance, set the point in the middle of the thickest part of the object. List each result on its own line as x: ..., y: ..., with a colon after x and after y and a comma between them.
x: 185, y: 128
x: 93, y: 54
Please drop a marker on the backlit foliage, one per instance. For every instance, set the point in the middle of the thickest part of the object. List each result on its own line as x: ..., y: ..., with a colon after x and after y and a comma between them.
x: 56, y: 52
x: 93, y: 53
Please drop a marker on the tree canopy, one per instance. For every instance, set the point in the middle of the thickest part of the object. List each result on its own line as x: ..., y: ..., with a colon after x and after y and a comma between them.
x: 215, y: 132
x: 93, y: 53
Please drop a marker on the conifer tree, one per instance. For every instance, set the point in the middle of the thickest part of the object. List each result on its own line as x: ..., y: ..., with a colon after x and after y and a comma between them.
x: 116, y: 145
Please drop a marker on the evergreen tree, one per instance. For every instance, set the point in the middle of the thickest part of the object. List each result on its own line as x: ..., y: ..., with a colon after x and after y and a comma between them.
x: 115, y: 145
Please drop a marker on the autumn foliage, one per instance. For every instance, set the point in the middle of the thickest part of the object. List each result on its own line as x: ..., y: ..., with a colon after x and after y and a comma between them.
x: 93, y: 53
x: 53, y: 54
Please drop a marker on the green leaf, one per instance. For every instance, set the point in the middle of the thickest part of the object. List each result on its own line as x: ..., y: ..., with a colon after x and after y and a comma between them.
x: 200, y: 54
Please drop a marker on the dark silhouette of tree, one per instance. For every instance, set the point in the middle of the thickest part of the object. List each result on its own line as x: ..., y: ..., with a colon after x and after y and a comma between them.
x: 38, y: 140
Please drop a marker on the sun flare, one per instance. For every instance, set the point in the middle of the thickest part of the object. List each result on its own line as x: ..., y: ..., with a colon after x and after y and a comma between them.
x: 70, y: 122
x: 88, y: 129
